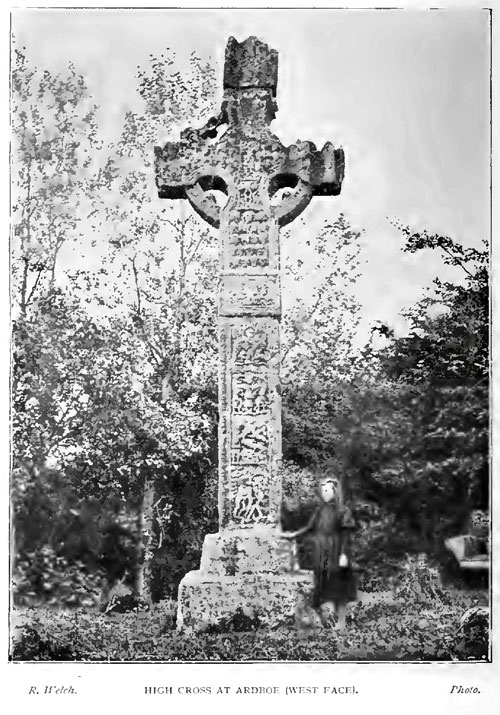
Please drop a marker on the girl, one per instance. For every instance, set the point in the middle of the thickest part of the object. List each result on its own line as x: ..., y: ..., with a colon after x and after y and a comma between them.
x: 330, y: 527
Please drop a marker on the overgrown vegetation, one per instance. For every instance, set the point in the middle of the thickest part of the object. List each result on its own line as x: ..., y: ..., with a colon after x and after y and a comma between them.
x: 402, y: 630
x: 114, y: 406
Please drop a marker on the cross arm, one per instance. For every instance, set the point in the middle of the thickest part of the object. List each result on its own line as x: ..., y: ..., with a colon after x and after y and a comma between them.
x: 307, y: 172
x: 188, y: 169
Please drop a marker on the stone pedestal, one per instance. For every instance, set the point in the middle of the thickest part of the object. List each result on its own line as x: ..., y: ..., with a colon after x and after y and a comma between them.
x: 244, y: 573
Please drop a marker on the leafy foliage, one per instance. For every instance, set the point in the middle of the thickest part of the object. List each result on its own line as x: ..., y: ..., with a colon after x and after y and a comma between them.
x: 448, y: 340
x: 43, y: 576
x: 443, y: 368
x: 55, y: 147
x: 122, y: 401
x: 406, y: 426
x: 378, y: 631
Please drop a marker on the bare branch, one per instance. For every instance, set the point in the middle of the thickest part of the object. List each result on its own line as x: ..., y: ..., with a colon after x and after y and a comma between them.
x: 137, y: 289
x: 305, y: 321
x: 195, y: 249
x: 35, y: 285
x: 59, y: 243
x: 457, y: 261
x: 155, y: 354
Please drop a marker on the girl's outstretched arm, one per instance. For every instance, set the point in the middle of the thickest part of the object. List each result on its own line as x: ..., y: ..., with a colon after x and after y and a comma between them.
x: 301, y: 531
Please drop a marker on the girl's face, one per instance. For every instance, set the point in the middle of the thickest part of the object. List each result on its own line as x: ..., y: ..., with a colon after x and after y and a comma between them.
x: 328, y: 490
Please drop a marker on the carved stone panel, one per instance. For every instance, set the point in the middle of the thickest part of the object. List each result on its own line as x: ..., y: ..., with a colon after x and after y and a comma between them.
x: 249, y: 190
x: 247, y: 244
x: 254, y: 342
x: 250, y: 421
x: 250, y: 294
x: 249, y: 439
x: 250, y: 393
x: 250, y: 496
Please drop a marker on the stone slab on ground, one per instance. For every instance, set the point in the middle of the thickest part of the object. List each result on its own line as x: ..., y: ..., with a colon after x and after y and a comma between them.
x: 470, y: 551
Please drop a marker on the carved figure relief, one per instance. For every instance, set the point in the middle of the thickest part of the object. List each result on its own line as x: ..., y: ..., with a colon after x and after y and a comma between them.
x: 251, y: 345
x: 250, y: 443
x: 250, y: 504
x: 250, y: 393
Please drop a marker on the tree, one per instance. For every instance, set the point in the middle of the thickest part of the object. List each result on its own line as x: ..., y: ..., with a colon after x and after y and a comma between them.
x: 169, y: 265
x: 93, y: 392
x: 433, y: 466
x: 54, y: 149
x: 405, y: 426
x: 319, y: 357
x: 449, y: 329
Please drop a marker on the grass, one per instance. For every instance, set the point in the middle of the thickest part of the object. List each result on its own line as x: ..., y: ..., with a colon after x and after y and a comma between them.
x: 406, y: 629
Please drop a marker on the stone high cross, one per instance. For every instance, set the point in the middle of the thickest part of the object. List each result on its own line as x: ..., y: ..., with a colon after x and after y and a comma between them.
x: 236, y: 153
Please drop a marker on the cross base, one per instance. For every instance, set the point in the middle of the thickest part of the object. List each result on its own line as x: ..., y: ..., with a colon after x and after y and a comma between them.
x: 245, y: 580
x: 239, y: 551
x: 241, y: 602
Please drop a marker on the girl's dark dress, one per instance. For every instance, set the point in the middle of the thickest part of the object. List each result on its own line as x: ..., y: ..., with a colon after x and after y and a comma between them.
x: 330, y: 529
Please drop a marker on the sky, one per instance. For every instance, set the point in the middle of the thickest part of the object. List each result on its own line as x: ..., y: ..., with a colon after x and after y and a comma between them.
x: 405, y: 92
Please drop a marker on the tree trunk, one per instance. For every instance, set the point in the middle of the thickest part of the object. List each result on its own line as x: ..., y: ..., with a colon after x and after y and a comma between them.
x: 145, y: 543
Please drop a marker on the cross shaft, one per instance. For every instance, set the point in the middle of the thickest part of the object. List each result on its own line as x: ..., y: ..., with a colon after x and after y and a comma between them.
x: 249, y: 165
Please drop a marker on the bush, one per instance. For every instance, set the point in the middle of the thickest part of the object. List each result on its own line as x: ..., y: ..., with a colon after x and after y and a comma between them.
x: 35, y: 644
x: 44, y: 576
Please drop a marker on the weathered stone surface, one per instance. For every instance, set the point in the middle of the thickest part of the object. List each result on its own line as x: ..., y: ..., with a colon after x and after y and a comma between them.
x: 250, y: 294
x: 240, y: 551
x: 267, y: 599
x: 471, y: 552
x: 248, y: 164
x: 250, y: 64
x: 250, y: 421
